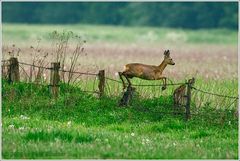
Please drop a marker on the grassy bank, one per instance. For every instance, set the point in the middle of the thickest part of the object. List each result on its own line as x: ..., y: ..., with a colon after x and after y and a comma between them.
x: 78, y: 125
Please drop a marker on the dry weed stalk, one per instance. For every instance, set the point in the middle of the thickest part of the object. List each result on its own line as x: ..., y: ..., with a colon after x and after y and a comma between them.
x: 38, y: 57
x: 61, y: 49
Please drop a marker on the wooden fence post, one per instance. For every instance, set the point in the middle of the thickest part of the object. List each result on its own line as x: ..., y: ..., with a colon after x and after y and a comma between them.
x: 54, y: 79
x: 188, y: 103
x: 127, y: 96
x: 13, y: 73
x: 101, y: 84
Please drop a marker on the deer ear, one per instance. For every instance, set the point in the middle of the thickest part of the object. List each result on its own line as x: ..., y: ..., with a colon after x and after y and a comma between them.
x: 166, y: 53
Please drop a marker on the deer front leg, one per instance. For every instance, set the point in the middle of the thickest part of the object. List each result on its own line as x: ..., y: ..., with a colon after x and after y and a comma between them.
x: 120, y: 75
x: 129, y: 83
x: 164, y: 79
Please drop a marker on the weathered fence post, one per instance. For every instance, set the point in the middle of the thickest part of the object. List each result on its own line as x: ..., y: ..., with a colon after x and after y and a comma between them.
x: 54, y: 79
x: 127, y: 96
x: 188, y: 103
x: 101, y: 84
x: 13, y: 73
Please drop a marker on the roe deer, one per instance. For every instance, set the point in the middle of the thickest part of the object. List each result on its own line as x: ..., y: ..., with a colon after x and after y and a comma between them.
x: 147, y: 72
x: 179, y: 95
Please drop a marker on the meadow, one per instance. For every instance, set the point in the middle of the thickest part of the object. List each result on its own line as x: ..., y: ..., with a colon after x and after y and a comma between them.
x: 79, y: 125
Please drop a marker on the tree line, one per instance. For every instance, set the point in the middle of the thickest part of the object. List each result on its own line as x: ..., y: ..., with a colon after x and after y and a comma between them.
x: 192, y: 15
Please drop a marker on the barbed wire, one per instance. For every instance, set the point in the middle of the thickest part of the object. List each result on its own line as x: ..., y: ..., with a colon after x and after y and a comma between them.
x: 136, y: 85
x: 114, y: 80
x: 215, y: 94
x: 61, y: 70
x: 143, y: 85
x: 37, y: 66
x: 75, y: 72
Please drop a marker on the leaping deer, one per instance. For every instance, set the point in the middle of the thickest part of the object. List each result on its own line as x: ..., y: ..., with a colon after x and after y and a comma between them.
x: 147, y: 72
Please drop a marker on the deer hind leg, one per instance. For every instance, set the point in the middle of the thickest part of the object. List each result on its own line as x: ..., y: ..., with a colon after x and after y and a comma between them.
x: 120, y: 75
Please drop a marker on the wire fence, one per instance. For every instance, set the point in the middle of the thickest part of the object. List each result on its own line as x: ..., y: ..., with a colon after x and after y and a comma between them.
x: 113, y: 87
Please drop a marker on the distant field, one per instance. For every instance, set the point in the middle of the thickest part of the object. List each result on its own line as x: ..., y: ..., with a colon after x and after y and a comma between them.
x: 204, y: 53
x: 112, y: 34
x: 79, y: 125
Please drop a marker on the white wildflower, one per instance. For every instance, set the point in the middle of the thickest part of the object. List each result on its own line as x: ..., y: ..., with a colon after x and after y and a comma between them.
x: 24, y: 117
x: 69, y: 123
x: 11, y: 126
x: 21, y: 128
x: 174, y: 144
x: 132, y: 134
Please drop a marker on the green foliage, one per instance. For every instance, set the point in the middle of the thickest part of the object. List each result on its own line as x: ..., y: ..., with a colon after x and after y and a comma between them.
x: 66, y: 136
x: 81, y: 126
x: 192, y: 15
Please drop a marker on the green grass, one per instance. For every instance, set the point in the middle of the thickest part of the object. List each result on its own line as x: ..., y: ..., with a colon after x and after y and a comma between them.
x: 119, y: 34
x: 79, y: 125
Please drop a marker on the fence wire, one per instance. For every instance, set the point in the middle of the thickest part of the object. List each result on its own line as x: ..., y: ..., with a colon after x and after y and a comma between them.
x: 204, y: 99
x: 114, y: 87
x: 215, y: 94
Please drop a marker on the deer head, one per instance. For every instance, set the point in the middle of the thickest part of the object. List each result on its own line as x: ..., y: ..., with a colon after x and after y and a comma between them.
x: 167, y: 58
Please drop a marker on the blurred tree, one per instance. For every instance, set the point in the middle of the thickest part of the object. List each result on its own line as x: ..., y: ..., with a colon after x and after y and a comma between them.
x: 192, y: 15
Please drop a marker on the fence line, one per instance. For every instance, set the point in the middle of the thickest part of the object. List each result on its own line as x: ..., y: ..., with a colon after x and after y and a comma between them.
x: 145, y: 85
x: 61, y: 70
x: 114, y: 80
x: 215, y: 94
x: 136, y: 85
x: 14, y: 76
x: 150, y: 85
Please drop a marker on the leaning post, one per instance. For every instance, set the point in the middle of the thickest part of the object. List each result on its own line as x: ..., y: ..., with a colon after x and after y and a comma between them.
x: 54, y: 79
x: 13, y: 72
x: 101, y: 84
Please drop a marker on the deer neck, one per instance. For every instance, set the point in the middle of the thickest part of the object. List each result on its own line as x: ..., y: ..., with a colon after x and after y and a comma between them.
x: 162, y: 66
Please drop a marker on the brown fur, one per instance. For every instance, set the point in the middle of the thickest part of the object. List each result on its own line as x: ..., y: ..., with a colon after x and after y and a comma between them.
x: 147, y: 72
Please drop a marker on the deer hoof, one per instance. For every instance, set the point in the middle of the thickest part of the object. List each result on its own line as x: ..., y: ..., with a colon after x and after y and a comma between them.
x: 164, y: 87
